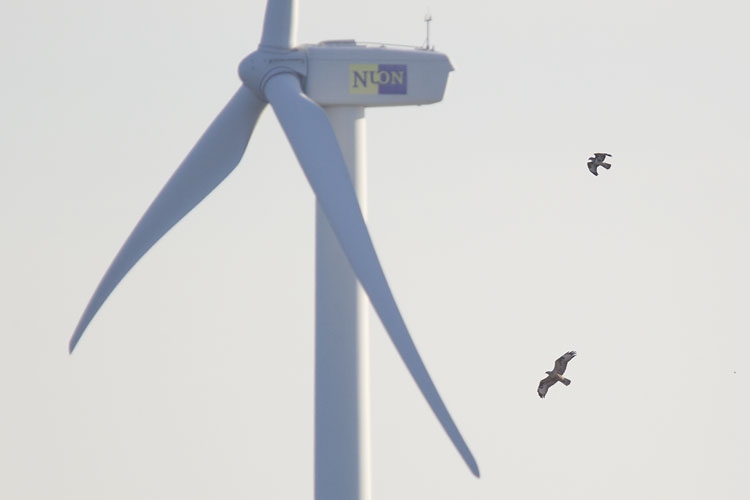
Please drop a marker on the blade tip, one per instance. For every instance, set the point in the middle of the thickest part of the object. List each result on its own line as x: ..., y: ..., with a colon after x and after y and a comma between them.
x: 475, y: 471
x: 473, y: 467
x: 74, y: 341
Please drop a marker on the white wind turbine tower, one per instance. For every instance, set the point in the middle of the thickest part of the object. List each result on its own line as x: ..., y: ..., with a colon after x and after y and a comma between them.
x: 318, y: 93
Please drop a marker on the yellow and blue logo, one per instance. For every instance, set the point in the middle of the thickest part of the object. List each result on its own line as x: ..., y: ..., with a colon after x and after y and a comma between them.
x: 377, y: 78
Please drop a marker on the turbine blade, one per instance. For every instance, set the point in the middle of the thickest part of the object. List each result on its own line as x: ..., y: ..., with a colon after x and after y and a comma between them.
x: 312, y: 138
x: 280, y: 25
x: 215, y: 155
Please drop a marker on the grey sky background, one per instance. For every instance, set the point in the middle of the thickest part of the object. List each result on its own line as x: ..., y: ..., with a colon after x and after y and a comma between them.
x: 195, y: 379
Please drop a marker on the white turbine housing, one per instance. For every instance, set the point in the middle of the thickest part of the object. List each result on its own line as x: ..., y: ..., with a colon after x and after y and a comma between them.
x: 344, y: 73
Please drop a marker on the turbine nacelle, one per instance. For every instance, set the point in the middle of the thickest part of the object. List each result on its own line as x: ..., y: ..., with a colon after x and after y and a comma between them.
x: 344, y: 73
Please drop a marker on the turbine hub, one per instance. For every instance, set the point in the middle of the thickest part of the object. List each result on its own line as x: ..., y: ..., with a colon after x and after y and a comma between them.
x: 257, y: 68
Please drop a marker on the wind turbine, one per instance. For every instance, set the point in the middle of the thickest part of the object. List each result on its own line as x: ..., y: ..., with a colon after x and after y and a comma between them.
x: 318, y: 93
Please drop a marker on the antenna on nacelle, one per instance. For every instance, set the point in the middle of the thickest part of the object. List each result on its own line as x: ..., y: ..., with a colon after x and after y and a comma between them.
x: 427, y: 19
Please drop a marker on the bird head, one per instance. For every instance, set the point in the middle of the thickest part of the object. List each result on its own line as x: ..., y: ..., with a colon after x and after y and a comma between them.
x: 548, y: 373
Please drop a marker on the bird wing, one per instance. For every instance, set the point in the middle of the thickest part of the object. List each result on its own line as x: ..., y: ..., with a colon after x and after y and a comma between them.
x: 562, y: 362
x: 592, y: 167
x: 545, y: 384
x: 601, y: 156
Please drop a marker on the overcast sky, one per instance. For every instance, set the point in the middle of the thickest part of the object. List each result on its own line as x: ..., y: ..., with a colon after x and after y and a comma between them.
x: 195, y: 380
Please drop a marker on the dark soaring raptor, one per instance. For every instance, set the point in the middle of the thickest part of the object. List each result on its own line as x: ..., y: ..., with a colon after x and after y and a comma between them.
x: 556, y: 375
x: 598, y: 161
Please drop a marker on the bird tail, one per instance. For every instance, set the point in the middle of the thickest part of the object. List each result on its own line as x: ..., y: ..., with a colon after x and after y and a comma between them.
x: 606, y: 165
x: 565, y: 381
